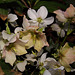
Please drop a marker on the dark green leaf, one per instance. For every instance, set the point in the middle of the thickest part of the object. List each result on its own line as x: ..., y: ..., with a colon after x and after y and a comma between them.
x: 6, y: 1
x: 68, y: 2
x: 3, y: 11
x: 50, y: 5
x: 5, y: 67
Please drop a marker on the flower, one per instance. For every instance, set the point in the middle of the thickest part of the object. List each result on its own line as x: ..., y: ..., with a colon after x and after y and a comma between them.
x: 12, y: 17
x: 60, y: 15
x: 70, y: 12
x: 67, y: 56
x: 40, y: 16
x: 21, y: 65
x: 60, y: 32
x: 10, y: 57
x: 50, y: 64
x: 35, y: 38
x: 46, y: 72
x: 29, y: 24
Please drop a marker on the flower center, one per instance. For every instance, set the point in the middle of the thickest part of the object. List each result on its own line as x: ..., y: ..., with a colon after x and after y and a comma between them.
x: 39, y: 20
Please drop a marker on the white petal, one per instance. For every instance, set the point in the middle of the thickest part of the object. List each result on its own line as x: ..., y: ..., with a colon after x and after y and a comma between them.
x: 10, y: 57
x: 32, y: 14
x: 33, y: 60
x: 21, y: 65
x: 12, y: 39
x: 24, y: 41
x: 49, y: 20
x: 46, y: 72
x: 50, y: 59
x: 12, y: 17
x: 1, y: 44
x: 18, y: 29
x: 61, y: 68
x: 56, y: 28
x: 7, y: 36
x: 62, y: 33
x: 43, y: 58
x: 42, y: 12
x: 4, y: 34
x: 25, y: 23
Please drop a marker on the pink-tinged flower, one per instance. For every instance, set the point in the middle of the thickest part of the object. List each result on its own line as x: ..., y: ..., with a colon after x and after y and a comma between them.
x: 29, y: 24
x: 70, y: 12
x: 35, y: 38
x: 60, y: 15
x: 11, y: 49
x: 40, y: 16
x: 67, y: 56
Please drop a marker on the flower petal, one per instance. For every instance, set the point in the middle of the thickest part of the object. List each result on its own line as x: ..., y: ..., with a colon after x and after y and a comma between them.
x: 21, y: 65
x: 2, y: 44
x: 43, y: 57
x: 20, y: 48
x: 70, y: 12
x: 10, y: 38
x: 12, y: 17
x: 60, y: 15
x: 48, y: 21
x: 10, y: 57
x: 46, y: 72
x: 32, y: 14
x: 42, y: 12
x: 25, y: 23
x: 38, y: 45
x: 62, y: 33
x: 18, y: 29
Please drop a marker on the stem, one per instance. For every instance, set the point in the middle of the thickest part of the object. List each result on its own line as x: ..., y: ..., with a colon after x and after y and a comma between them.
x: 63, y: 40
x: 25, y: 3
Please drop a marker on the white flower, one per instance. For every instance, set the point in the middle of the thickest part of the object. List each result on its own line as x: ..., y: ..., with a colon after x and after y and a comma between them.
x: 40, y: 16
x: 10, y: 57
x: 60, y: 32
x: 10, y: 37
x: 46, y: 72
x: 29, y: 24
x: 12, y: 17
x: 21, y: 65
x: 2, y: 44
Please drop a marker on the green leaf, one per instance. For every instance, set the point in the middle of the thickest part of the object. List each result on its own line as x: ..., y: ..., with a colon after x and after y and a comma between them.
x: 3, y: 11
x: 68, y: 2
x: 50, y: 5
x: 6, y: 1
x: 5, y: 67
x: 8, y: 29
x: 42, y: 71
x: 41, y: 29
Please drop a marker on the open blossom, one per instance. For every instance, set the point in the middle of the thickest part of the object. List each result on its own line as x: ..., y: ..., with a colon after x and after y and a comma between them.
x: 67, y: 56
x: 60, y: 15
x: 14, y: 46
x: 63, y: 16
x: 40, y: 16
x: 50, y: 64
x: 35, y: 38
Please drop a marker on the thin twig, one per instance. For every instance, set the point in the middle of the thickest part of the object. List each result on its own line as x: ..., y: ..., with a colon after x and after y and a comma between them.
x: 25, y: 3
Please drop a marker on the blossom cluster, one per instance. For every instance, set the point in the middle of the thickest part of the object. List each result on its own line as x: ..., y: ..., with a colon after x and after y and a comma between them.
x: 25, y: 45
